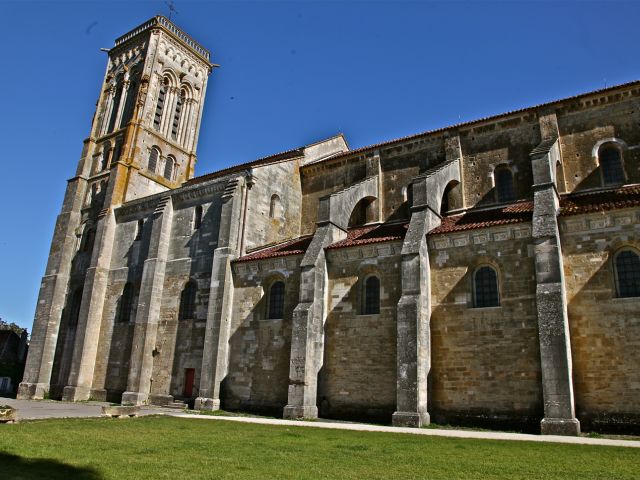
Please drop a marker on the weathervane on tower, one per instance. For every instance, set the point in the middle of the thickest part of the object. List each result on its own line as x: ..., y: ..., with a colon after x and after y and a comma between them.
x: 172, y: 8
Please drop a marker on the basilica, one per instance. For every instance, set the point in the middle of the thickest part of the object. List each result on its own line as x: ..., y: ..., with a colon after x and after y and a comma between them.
x: 485, y: 273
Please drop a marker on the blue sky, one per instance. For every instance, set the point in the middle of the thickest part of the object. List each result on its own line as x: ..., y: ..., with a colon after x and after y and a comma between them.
x: 291, y: 73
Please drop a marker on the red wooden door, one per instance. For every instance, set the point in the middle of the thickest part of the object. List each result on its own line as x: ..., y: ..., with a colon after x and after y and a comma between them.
x: 189, y: 377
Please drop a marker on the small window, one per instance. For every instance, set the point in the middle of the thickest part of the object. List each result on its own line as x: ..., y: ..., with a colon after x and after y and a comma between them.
x: 274, y: 207
x: 188, y: 301
x: 197, y: 217
x: 125, y: 305
x: 485, y: 288
x: 627, y: 271
x: 168, y: 167
x: 139, y: 229
x: 275, y: 308
x: 162, y: 93
x: 505, y: 190
x: 371, y: 296
x: 611, y: 166
x: 153, y: 159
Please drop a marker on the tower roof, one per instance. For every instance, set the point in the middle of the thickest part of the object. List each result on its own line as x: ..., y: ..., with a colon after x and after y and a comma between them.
x: 172, y: 29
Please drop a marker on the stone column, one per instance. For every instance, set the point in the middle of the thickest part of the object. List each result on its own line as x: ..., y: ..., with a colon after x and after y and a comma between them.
x: 91, y: 310
x: 553, y: 325
x: 148, y: 312
x: 215, y: 356
x: 104, y: 127
x: 123, y: 101
x: 169, y: 107
x: 51, y: 299
x: 307, y: 335
x: 413, y: 322
x: 414, y: 307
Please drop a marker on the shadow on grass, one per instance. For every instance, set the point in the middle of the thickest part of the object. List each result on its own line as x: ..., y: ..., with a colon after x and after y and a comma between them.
x: 19, y: 468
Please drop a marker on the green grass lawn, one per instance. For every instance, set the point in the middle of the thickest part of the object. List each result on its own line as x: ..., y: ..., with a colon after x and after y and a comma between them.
x: 178, y: 448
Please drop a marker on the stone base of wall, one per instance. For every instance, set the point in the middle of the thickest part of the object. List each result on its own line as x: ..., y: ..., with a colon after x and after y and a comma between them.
x: 504, y: 421
x: 611, y: 423
x: 98, y: 394
x: 376, y: 414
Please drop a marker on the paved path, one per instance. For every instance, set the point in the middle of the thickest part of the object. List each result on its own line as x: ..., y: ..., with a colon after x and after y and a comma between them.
x: 39, y: 409
x: 364, y: 427
x: 30, y: 409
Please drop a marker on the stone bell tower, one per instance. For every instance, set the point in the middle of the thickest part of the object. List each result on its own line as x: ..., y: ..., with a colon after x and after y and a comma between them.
x: 143, y: 141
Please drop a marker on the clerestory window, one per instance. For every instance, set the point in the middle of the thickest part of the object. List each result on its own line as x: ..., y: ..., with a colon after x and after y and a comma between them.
x: 505, y: 190
x: 611, y: 165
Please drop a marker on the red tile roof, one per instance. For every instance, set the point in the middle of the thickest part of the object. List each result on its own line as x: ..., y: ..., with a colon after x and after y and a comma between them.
x: 600, y: 201
x: 518, y: 212
x: 372, y: 234
x: 296, y: 246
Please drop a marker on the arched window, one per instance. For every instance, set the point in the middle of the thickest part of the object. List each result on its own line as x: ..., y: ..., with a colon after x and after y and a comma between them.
x: 188, y: 301
x: 168, y: 167
x: 611, y: 165
x: 177, y: 114
x: 197, y: 217
x: 153, y: 159
x: 74, y: 307
x: 627, y: 270
x: 505, y: 191
x: 275, y: 306
x: 116, y: 105
x: 275, y: 207
x: 162, y: 93
x: 106, y: 150
x: 125, y: 305
x: 485, y: 288
x: 371, y: 296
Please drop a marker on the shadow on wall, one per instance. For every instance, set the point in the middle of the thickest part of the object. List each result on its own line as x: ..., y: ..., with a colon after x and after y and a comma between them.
x: 605, y: 355
x: 466, y: 344
x: 187, y: 336
x: 14, y: 466
x: 260, y: 350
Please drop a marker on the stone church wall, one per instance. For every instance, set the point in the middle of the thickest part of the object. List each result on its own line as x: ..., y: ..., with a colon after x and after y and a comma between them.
x: 260, y: 348
x: 281, y: 179
x: 605, y: 330
x: 485, y: 362
x: 324, y: 179
x: 358, y: 378
x: 580, y: 131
